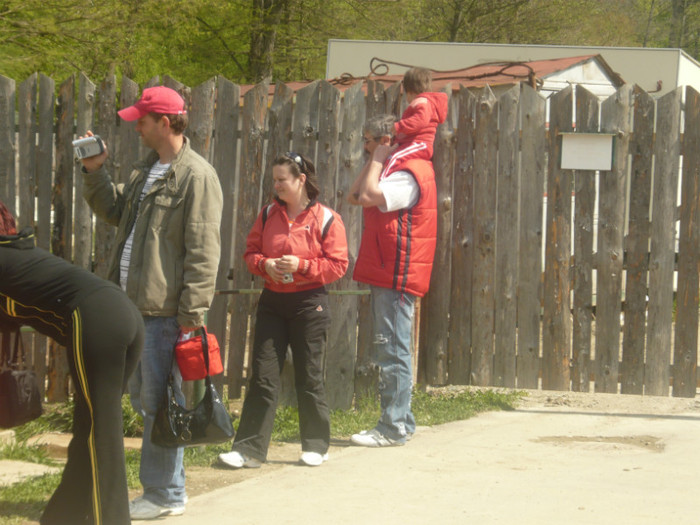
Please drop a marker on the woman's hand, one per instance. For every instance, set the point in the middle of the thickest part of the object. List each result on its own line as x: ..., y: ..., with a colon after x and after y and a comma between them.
x: 287, y: 263
x: 271, y: 269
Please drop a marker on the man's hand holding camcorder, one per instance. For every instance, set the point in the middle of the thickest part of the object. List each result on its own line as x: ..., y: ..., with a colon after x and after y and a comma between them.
x: 92, y: 164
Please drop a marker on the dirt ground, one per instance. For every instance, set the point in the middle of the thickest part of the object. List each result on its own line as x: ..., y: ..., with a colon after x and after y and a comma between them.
x: 205, y: 479
x: 558, y: 458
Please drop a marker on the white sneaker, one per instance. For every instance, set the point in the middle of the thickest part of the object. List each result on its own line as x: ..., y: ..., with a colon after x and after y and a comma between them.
x: 313, y: 459
x: 143, y: 509
x: 374, y: 438
x: 237, y: 460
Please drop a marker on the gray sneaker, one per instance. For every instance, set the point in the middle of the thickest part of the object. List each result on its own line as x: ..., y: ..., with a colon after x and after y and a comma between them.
x: 374, y: 438
x: 143, y: 509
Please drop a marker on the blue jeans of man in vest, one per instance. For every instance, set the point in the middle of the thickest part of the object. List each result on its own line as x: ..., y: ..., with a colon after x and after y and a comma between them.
x: 392, y: 312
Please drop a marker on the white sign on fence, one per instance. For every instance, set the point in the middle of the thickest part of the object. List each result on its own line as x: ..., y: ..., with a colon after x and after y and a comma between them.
x: 586, y: 151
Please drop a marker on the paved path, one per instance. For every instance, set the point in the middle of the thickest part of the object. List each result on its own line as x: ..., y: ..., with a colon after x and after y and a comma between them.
x: 535, y: 465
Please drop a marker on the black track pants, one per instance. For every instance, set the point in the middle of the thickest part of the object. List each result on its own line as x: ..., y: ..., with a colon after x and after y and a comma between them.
x: 300, y: 320
x: 106, y: 342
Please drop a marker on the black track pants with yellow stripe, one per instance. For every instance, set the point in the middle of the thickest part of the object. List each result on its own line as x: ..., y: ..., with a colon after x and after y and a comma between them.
x: 106, y: 342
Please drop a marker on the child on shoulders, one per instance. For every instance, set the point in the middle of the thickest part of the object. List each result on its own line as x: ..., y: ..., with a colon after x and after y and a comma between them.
x: 415, y: 132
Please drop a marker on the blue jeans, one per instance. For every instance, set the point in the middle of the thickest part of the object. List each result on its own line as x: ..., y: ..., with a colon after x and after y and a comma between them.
x: 162, y: 473
x: 392, y: 312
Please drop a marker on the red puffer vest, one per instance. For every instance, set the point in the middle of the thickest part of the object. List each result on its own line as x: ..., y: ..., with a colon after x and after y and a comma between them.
x: 398, y: 247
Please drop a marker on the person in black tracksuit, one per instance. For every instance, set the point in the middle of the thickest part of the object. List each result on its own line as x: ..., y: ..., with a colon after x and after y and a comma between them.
x: 103, y: 335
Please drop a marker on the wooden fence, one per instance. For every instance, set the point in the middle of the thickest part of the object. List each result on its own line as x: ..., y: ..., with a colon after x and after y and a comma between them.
x: 571, y: 291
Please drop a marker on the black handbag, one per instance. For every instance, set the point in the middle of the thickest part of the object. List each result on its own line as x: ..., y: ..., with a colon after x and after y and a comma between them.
x: 20, y: 397
x: 206, y: 423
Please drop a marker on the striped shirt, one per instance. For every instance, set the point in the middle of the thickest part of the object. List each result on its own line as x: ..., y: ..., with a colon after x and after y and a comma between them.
x: 157, y: 172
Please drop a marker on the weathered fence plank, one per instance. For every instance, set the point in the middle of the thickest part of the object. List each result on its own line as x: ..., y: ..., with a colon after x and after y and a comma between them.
x: 615, y: 119
x: 82, y: 219
x: 346, y: 308
x: 44, y: 160
x: 505, y: 282
x: 248, y: 205
x: 393, y: 100
x: 685, y: 348
x: 279, y: 125
x: 637, y: 245
x: 532, y: 145
x: 225, y: 154
x: 584, y: 206
x: 44, y: 179
x: 61, y: 239
x: 462, y: 249
x: 106, y: 128
x: 129, y: 143
x: 375, y: 101
x: 305, y: 125
x: 305, y: 129
x: 485, y: 173
x: 340, y: 351
x: 328, y: 143
x: 556, y: 323
x: 62, y: 199
x: 436, y: 316
x: 8, y: 188
x: 201, y: 121
x: 26, y: 99
x: 667, y: 148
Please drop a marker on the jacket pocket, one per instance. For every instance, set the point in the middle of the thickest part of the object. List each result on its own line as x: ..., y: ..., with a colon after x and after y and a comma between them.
x: 164, y: 208
x: 380, y: 255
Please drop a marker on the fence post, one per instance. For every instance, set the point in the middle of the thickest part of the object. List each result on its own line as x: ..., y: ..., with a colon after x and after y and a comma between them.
x: 82, y: 222
x: 26, y: 98
x: 615, y: 118
x: 505, y: 283
x: 435, y: 305
x: 8, y: 183
x: 106, y: 128
x: 685, y: 348
x: 584, y: 206
x: 556, y: 322
x: 667, y: 149
x: 532, y: 146
x: 225, y: 154
x: 251, y: 170
x: 485, y: 166
x: 462, y: 251
x: 44, y: 160
x: 637, y: 245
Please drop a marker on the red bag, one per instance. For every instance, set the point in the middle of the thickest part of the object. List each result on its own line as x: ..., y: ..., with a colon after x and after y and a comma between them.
x: 192, y: 353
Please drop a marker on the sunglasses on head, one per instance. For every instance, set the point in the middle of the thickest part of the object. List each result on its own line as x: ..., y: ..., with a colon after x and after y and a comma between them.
x: 296, y: 158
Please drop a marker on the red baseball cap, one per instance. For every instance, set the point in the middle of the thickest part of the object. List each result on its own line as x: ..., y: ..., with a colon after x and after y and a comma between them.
x: 158, y: 99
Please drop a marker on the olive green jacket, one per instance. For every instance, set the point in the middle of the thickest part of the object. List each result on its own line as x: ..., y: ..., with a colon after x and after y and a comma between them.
x: 176, y: 247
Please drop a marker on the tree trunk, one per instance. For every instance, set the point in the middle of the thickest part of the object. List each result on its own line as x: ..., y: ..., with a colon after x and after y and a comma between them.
x: 675, y: 37
x: 266, y: 17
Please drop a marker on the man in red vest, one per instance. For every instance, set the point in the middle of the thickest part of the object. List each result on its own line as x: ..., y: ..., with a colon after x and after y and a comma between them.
x: 395, y: 259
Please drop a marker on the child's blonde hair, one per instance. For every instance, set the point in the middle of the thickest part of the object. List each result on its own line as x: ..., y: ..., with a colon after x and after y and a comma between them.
x: 417, y: 80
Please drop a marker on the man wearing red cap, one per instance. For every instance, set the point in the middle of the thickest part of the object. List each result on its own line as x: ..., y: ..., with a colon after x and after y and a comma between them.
x: 166, y: 258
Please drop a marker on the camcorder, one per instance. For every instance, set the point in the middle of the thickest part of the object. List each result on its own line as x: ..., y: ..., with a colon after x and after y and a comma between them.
x: 88, y: 147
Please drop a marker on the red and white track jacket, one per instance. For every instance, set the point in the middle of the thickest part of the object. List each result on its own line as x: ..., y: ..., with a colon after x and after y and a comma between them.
x: 316, y: 237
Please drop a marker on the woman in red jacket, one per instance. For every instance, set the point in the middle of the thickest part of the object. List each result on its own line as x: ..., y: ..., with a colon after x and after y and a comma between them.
x: 298, y: 246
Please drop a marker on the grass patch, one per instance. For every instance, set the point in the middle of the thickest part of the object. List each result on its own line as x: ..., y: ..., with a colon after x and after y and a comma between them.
x: 25, y: 500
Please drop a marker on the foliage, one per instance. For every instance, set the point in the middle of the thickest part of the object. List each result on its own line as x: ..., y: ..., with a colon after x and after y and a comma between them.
x: 283, y: 40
